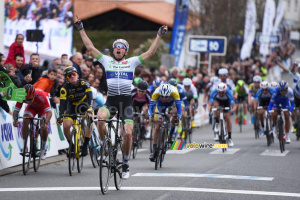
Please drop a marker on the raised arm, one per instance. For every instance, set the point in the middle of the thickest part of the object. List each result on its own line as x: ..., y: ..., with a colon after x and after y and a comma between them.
x: 282, y: 67
x: 161, y: 31
x: 86, y: 41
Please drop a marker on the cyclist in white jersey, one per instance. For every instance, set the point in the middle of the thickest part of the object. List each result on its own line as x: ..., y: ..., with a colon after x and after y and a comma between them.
x: 119, y: 74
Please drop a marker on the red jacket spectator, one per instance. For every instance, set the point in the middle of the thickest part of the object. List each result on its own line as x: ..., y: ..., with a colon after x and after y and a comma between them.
x: 14, y: 49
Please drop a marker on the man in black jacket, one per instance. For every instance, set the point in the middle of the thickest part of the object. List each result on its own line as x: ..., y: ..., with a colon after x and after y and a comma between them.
x: 32, y: 68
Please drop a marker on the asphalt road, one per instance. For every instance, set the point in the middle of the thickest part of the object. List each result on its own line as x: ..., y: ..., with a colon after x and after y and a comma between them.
x: 241, y: 173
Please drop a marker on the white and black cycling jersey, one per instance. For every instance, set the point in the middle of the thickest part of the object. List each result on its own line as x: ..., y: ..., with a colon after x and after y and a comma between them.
x: 119, y: 75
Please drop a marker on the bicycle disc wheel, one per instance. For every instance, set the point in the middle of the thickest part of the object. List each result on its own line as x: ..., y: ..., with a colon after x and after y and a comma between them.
x: 26, y: 154
x: 105, y: 167
x: 118, y: 158
x: 37, y: 146
x: 71, y: 149
x: 280, y: 135
x: 92, y: 152
x: 80, y: 157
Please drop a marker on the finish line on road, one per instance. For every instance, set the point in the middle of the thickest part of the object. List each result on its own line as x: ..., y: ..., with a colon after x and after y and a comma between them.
x: 257, y: 178
x: 175, y: 189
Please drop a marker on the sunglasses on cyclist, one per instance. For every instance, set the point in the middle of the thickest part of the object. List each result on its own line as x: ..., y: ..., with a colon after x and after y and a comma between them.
x: 222, y: 75
x: 164, y: 97
x: 282, y: 90
x: 119, y: 46
x: 222, y: 93
x: 71, y: 74
x: 143, y: 91
x: 265, y: 89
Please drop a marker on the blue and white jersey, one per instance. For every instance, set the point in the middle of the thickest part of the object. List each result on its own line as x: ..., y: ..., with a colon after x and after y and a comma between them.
x: 182, y: 96
x: 296, y: 91
x: 151, y: 89
x: 215, y: 96
x: 286, y: 100
x: 229, y: 84
x: 119, y: 75
x: 260, y: 96
x: 296, y: 77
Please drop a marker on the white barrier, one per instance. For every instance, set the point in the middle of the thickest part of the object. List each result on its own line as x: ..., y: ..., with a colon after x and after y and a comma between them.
x: 11, y: 141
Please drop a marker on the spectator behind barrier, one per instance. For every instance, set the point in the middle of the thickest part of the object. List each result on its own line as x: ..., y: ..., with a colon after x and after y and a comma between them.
x: 14, y: 49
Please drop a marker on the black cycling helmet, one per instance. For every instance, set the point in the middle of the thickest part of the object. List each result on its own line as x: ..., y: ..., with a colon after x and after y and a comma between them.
x: 69, y: 70
x: 142, y: 85
x: 173, y: 82
x: 30, y: 91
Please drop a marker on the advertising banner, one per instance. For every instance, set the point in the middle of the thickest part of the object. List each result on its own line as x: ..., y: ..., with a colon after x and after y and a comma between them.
x: 178, y: 33
x: 54, y: 18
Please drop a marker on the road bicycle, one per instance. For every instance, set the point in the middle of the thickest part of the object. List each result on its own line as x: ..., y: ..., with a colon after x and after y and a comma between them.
x: 280, y: 128
x: 111, y: 159
x: 137, y: 141
x: 240, y: 115
x: 32, y: 145
x: 76, y: 143
x: 95, y: 148
x: 267, y: 129
x: 187, y: 128
x: 222, y: 132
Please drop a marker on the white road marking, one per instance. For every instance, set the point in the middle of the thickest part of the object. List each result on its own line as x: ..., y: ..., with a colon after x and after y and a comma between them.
x: 183, y: 189
x: 274, y: 153
x: 205, y: 176
x: 229, y: 151
x: 183, y: 151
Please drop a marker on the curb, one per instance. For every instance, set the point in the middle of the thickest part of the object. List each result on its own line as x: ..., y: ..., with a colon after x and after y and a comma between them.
x: 18, y: 168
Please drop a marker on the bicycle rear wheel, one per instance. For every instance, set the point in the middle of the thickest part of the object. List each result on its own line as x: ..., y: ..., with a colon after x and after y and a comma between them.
x: 79, y: 157
x: 241, y: 117
x: 105, y: 166
x: 37, y: 146
x: 222, y: 135
x: 27, y: 153
x: 280, y: 135
x: 72, y: 160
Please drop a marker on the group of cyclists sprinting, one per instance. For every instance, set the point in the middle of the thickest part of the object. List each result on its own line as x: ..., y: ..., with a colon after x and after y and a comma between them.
x: 161, y: 97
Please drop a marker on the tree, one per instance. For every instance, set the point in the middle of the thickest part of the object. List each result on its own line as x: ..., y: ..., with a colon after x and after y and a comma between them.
x: 154, y: 60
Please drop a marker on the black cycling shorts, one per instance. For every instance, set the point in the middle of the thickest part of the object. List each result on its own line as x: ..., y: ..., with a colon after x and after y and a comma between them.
x: 224, y: 103
x: 121, y: 104
x: 241, y: 99
x: 264, y: 102
x: 80, y: 108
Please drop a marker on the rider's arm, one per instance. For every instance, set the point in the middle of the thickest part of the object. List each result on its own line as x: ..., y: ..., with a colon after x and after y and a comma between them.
x: 152, y: 104
x: 48, y: 117
x: 258, y: 95
x: 89, y: 96
x: 282, y: 67
x: 63, y: 100
x: 88, y: 43
x: 272, y: 99
x: 176, y: 97
x: 153, y: 46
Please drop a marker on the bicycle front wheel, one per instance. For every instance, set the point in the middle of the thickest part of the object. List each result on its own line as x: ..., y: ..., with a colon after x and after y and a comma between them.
x: 105, y: 166
x: 164, y: 144
x: 151, y: 137
x: 27, y: 153
x: 71, y: 158
x: 118, y: 158
x: 92, y: 152
x: 37, y: 146
x: 134, y: 142
x: 79, y: 156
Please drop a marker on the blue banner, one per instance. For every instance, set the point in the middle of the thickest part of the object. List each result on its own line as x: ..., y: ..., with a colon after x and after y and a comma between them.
x: 179, y: 26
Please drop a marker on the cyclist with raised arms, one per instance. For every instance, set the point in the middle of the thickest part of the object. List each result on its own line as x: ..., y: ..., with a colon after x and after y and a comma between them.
x: 281, y: 96
x: 242, y: 92
x: 253, y: 88
x: 263, y: 97
x: 119, y: 73
x: 37, y: 103
x: 75, y: 98
x: 163, y: 98
x: 223, y: 97
x: 193, y: 103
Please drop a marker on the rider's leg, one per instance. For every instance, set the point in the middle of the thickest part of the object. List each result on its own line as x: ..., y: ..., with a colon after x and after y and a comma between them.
x: 192, y: 112
x: 245, y: 109
x: 261, y: 114
x: 25, y: 127
x: 228, y: 123
x: 66, y: 126
x: 127, y: 141
x: 103, y: 113
x: 287, y: 122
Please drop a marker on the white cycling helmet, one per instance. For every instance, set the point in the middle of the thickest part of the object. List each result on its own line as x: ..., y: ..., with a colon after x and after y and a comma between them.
x: 187, y: 82
x: 222, y: 87
x: 213, y: 79
x: 123, y: 42
x: 256, y: 79
x: 165, y: 89
x: 264, y: 85
x: 274, y: 84
x: 223, y: 71
x: 157, y: 82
